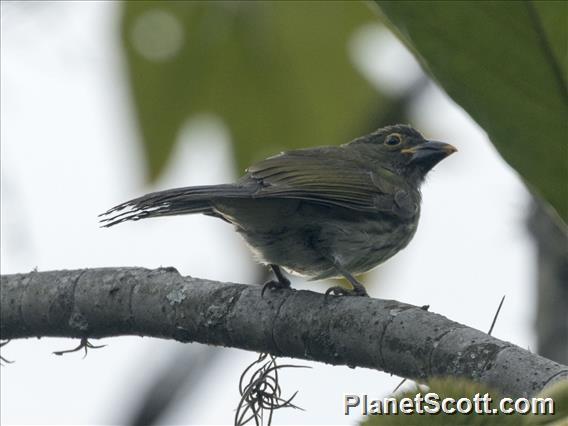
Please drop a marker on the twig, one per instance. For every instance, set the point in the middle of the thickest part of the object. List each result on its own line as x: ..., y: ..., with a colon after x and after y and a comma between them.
x: 84, y: 344
x: 496, y: 315
x: 2, y: 359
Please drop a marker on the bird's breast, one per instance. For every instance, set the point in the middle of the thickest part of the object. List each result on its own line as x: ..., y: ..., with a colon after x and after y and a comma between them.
x: 313, y: 239
x: 368, y: 243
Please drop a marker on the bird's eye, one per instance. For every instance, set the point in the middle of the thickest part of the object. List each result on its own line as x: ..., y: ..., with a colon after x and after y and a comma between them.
x: 393, y: 139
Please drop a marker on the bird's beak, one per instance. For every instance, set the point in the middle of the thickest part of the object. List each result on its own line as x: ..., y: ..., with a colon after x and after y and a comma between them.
x: 429, y: 152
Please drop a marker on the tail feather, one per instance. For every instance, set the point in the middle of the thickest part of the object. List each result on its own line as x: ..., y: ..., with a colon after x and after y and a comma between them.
x: 191, y: 199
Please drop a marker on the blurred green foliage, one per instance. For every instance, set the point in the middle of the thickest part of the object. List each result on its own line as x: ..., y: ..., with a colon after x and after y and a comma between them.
x: 559, y: 393
x: 277, y: 73
x: 506, y: 64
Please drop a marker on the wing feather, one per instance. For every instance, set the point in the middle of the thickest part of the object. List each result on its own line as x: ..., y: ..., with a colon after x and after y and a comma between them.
x: 324, y: 177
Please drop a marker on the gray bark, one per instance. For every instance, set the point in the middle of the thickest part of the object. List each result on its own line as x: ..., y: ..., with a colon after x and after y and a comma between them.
x: 381, y: 334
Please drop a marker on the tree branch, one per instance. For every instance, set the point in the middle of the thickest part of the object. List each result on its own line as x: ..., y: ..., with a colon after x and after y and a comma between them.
x: 384, y: 335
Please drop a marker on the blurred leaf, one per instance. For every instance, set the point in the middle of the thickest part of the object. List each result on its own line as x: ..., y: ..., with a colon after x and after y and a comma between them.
x: 278, y: 73
x: 558, y: 391
x: 505, y: 63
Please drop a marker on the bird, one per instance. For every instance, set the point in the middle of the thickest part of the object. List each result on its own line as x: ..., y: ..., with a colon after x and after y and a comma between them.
x: 322, y: 212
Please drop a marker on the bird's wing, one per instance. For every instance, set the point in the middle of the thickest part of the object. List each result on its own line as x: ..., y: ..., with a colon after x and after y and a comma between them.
x: 325, y: 177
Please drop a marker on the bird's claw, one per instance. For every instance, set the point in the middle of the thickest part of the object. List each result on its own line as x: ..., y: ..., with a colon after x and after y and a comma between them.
x: 84, y: 344
x: 342, y: 291
x: 274, y: 285
x: 336, y: 291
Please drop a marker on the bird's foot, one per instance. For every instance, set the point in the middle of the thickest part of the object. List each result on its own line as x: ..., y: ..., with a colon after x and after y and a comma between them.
x: 274, y: 285
x: 342, y: 291
x: 280, y: 282
x: 84, y: 344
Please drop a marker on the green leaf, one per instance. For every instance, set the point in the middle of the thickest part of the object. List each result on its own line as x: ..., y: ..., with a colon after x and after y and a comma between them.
x: 278, y: 73
x: 506, y: 64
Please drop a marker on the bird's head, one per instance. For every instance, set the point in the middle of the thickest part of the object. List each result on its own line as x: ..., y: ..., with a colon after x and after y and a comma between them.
x: 404, y: 151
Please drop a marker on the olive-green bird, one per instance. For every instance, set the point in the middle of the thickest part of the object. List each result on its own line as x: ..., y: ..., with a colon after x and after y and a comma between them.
x: 322, y: 212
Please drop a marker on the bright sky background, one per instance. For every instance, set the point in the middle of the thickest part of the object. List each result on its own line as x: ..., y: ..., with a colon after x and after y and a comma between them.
x: 69, y: 151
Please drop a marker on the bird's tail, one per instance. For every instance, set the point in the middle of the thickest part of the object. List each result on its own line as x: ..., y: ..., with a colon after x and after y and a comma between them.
x: 191, y: 199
